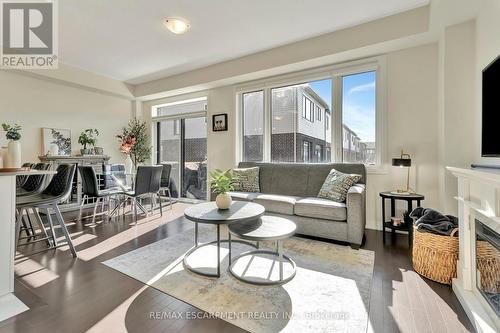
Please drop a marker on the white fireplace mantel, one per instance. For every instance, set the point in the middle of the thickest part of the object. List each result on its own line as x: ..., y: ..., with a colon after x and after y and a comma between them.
x: 478, y: 197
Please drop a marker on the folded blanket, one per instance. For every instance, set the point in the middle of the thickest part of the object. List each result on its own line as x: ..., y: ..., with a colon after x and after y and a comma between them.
x: 430, y: 220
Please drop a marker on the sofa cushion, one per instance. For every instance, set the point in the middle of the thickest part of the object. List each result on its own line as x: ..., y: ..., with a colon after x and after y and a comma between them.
x: 246, y: 179
x: 321, y: 209
x: 275, y: 203
x: 336, y: 185
x: 243, y: 196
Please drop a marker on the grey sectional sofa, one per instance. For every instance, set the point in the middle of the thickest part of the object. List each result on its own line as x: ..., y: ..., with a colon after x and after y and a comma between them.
x: 290, y: 190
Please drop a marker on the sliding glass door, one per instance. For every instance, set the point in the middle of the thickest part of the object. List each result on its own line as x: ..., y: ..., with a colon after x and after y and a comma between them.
x: 182, y: 143
x: 194, y: 158
x: 169, y: 150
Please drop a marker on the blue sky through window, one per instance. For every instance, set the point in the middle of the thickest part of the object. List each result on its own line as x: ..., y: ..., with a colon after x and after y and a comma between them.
x: 358, y: 93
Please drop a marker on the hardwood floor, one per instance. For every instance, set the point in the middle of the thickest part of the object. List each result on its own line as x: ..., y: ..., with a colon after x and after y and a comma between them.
x: 83, y: 295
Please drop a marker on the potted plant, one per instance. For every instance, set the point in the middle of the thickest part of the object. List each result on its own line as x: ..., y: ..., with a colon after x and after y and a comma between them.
x: 13, y: 134
x: 88, y: 137
x: 140, y: 150
x: 221, y: 182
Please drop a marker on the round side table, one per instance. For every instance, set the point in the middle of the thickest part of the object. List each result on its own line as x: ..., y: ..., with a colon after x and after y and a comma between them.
x: 409, y: 198
x: 267, y: 228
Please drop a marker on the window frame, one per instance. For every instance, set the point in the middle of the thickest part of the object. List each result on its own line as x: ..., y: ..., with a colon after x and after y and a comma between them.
x: 335, y: 73
x: 305, y: 144
x: 309, y: 116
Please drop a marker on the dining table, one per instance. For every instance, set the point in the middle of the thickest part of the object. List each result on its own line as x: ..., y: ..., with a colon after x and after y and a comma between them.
x: 10, y: 305
x: 125, y: 185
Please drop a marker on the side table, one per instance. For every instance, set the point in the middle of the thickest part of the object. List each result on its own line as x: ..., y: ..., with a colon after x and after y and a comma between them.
x: 409, y: 198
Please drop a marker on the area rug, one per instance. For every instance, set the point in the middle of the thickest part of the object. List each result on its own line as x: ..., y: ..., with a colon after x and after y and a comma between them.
x: 329, y: 293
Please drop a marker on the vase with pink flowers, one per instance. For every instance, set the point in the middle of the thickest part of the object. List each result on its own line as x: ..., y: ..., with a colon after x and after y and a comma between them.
x: 126, y: 146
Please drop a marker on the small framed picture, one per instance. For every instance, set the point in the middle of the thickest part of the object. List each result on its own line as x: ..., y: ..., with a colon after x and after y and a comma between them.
x: 57, y: 141
x: 219, y: 122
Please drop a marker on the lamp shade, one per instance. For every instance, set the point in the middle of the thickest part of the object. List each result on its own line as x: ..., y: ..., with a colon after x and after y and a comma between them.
x: 401, y: 162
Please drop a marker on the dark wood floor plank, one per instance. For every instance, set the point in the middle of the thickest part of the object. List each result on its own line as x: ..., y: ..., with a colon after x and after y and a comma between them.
x: 67, y: 295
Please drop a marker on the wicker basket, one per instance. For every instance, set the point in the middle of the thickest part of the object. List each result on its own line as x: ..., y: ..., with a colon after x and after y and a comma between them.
x: 435, y: 256
x: 488, y: 264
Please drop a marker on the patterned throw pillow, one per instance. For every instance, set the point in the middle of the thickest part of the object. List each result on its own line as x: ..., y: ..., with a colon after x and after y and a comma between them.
x: 247, y: 180
x: 336, y: 185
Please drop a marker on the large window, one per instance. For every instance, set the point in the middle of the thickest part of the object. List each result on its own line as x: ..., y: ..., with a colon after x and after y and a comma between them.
x: 253, y: 126
x: 332, y: 119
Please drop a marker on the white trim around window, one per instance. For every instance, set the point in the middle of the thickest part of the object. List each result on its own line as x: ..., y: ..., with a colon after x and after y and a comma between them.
x: 335, y: 73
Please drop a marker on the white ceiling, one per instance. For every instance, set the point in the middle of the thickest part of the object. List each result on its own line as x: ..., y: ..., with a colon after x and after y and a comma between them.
x: 126, y: 39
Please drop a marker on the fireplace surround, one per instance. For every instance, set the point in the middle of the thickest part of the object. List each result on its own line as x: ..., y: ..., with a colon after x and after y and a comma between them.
x: 476, y: 285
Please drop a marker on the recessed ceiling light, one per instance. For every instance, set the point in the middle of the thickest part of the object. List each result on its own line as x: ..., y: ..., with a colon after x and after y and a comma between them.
x: 177, y: 25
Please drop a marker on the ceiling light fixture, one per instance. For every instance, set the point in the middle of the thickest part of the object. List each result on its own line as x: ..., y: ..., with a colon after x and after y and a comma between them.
x: 177, y: 25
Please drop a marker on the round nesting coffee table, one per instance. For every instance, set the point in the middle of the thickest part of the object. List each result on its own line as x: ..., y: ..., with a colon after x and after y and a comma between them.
x: 267, y: 228
x: 208, y: 213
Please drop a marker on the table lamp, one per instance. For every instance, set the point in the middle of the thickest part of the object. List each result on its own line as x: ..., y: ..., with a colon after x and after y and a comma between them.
x: 404, y: 161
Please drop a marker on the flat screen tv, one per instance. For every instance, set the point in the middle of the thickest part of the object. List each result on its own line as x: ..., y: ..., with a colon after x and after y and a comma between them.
x: 490, y: 141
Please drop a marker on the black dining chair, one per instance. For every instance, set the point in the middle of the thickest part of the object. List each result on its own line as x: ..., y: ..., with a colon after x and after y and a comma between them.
x: 90, y: 190
x: 147, y: 183
x: 33, y: 184
x: 58, y: 191
x: 165, y: 182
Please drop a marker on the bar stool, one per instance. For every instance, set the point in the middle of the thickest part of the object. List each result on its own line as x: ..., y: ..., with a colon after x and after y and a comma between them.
x: 33, y: 184
x: 58, y: 191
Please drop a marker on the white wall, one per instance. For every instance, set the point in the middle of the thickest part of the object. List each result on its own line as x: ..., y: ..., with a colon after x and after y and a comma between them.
x: 458, y: 142
x: 412, y: 125
x: 35, y: 103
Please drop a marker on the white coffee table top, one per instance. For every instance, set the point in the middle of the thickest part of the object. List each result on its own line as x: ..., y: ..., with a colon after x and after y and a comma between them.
x: 266, y: 228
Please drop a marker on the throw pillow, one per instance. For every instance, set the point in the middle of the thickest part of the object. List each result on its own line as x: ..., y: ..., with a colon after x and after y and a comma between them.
x: 246, y: 180
x: 336, y: 185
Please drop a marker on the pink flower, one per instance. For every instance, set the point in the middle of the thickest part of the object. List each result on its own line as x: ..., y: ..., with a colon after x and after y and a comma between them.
x: 126, y: 144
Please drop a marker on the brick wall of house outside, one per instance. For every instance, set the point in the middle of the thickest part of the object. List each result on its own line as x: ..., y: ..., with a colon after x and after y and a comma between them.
x: 252, y: 148
x: 282, y: 147
x: 313, y: 142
